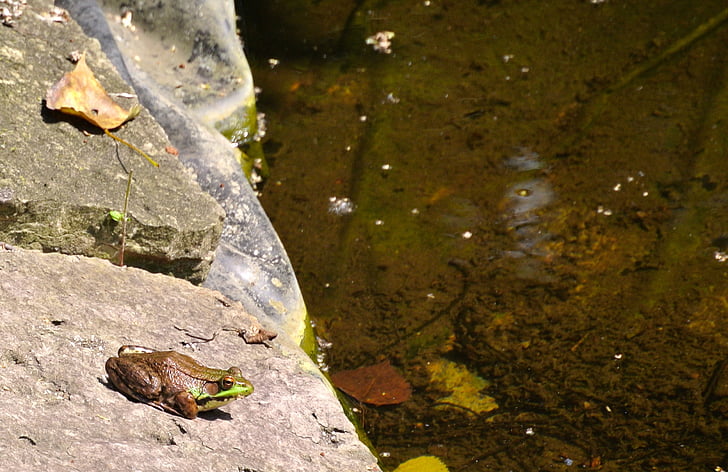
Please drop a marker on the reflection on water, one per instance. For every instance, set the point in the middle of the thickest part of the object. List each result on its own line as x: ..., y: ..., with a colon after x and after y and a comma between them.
x: 573, y: 281
x: 524, y: 211
x: 341, y: 206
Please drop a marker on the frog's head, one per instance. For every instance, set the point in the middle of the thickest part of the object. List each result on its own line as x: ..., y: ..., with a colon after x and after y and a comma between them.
x: 214, y: 394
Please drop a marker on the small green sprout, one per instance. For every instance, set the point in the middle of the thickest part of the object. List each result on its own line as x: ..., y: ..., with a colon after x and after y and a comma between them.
x: 116, y: 215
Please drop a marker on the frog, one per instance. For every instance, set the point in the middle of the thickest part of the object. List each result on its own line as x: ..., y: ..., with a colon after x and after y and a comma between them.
x: 174, y: 382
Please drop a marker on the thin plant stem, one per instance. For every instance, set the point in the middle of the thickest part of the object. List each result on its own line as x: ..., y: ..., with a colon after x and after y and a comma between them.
x: 125, y: 143
x: 123, y: 221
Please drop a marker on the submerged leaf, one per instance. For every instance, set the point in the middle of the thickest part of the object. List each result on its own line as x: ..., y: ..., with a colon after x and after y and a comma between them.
x: 465, y: 387
x: 379, y: 384
x: 422, y: 464
x: 80, y: 93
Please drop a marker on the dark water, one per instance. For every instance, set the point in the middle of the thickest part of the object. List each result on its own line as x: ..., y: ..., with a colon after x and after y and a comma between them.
x: 540, y: 220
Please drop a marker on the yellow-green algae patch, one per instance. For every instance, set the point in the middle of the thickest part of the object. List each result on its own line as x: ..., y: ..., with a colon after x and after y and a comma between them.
x: 465, y: 387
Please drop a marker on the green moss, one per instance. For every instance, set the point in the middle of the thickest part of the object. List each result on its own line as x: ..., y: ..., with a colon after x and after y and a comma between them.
x: 239, y: 127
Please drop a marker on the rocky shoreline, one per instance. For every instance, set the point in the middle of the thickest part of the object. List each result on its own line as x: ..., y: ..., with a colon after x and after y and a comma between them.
x: 66, y: 309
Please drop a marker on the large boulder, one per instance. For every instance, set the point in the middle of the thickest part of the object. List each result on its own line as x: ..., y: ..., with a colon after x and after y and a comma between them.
x: 60, y: 177
x: 63, y: 316
x: 186, y: 63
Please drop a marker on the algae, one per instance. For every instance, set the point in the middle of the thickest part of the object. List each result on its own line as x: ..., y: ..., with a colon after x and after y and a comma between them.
x: 599, y: 317
x: 466, y: 387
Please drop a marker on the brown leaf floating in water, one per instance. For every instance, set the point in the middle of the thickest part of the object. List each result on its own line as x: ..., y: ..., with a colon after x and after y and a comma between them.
x: 378, y: 384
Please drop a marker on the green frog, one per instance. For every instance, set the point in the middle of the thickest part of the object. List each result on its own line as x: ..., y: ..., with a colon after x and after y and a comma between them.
x: 174, y: 382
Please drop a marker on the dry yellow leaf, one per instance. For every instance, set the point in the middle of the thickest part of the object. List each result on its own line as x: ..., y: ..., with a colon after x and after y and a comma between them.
x: 80, y: 93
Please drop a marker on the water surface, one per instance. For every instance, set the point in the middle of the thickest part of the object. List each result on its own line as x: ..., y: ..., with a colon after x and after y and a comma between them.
x: 539, y: 200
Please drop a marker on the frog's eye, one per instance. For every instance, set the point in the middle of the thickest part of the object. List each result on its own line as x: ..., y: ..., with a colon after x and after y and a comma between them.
x: 227, y: 382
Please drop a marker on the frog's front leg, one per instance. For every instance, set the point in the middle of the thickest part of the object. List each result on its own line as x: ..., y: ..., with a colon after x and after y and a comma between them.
x: 182, y: 403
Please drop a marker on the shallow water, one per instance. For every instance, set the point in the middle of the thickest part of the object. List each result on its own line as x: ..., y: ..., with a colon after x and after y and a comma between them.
x: 538, y: 196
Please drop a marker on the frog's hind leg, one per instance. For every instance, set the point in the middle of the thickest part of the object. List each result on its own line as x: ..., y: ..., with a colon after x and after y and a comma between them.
x: 137, y: 384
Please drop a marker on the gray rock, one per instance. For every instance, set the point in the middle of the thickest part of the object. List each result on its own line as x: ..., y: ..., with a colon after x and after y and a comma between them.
x: 63, y: 316
x: 59, y: 176
x: 250, y: 264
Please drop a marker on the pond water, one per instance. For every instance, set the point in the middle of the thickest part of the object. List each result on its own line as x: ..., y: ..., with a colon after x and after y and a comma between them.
x: 522, y: 206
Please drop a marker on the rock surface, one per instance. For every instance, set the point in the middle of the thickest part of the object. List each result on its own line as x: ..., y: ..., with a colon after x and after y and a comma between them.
x: 250, y: 264
x: 60, y: 177
x: 190, y: 49
x: 63, y: 316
